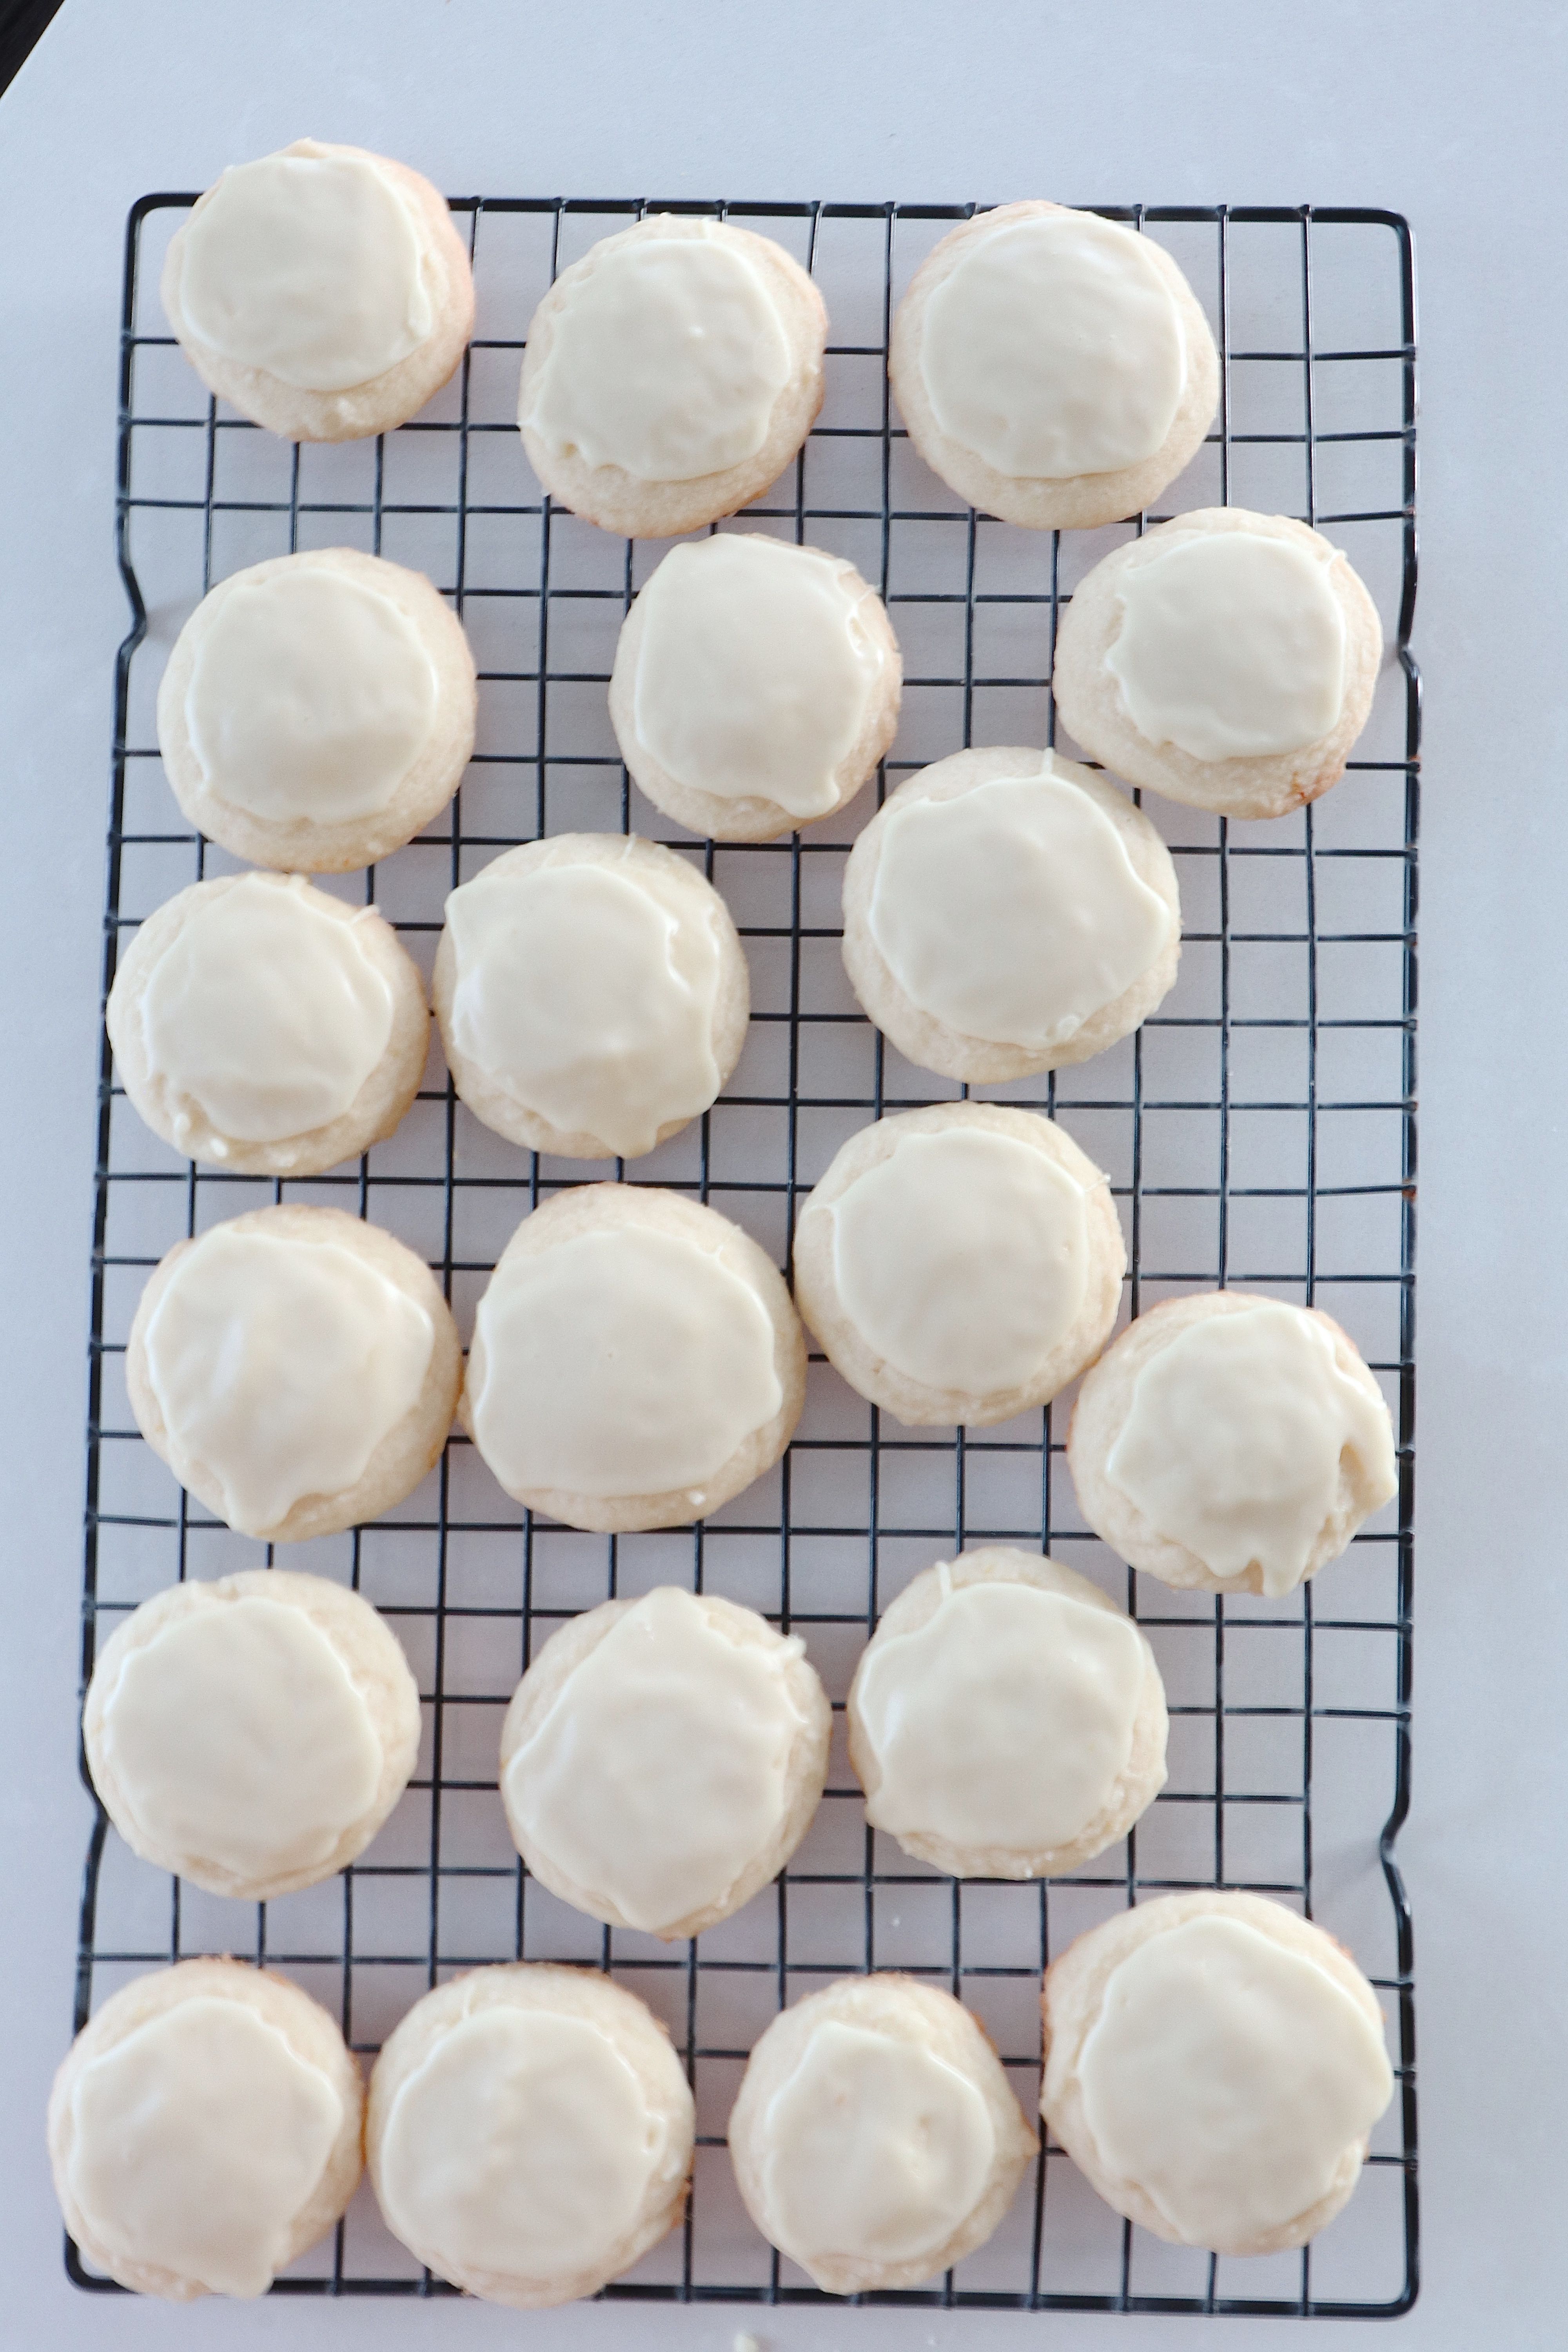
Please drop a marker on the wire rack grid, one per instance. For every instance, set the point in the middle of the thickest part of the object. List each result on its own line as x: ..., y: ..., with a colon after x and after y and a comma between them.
x: 1259, y: 1131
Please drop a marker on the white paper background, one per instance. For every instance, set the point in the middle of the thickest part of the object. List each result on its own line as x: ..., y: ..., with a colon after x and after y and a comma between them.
x: 1447, y: 114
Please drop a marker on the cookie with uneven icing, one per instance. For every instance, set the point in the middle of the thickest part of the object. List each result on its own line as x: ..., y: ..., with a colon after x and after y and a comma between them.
x: 756, y: 686
x: 671, y: 374
x: 205, y: 2130
x: 264, y: 1027
x: 296, y: 1368
x: 960, y: 1264
x: 1227, y: 659
x: 318, y: 710
x: 529, y: 2133
x: 324, y: 291
x: 1054, y: 368
x: 1213, y: 2066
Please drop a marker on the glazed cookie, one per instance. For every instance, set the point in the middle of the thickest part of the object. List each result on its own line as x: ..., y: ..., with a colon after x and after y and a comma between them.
x: 1007, y: 912
x: 318, y: 710
x: 661, y: 1759
x: 261, y: 1025
x: 1053, y: 368
x: 960, y: 1263
x: 205, y: 2130
x: 1225, y: 659
x: 529, y: 2133
x: 323, y: 290
x: 875, y: 2139
x: 1214, y: 2064
x: 635, y: 1360
x: 670, y: 375
x: 592, y: 994
x: 296, y: 1367
x: 756, y: 686
x: 251, y: 1735
x: 1231, y: 1443
x: 1006, y: 1719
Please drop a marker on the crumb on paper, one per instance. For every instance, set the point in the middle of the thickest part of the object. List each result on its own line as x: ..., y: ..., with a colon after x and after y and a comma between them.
x: 747, y: 2342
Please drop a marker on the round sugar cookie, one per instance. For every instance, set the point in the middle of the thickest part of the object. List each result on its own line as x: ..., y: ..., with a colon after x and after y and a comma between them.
x: 1054, y: 368
x: 262, y: 1025
x: 324, y: 291
x: 592, y: 994
x: 1227, y: 659
x: 296, y: 1367
x: 960, y: 1263
x: 1007, y: 912
x: 205, y: 2130
x: 876, y: 2138
x: 671, y: 374
x: 756, y: 686
x: 635, y: 1360
x: 1006, y: 1719
x: 1214, y: 2064
x: 251, y: 1735
x: 530, y: 2132
x: 318, y: 710
x: 662, y: 1759
x: 1231, y: 1443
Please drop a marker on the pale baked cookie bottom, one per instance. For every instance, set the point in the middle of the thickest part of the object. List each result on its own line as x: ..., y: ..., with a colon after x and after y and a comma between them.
x: 371, y: 1656
x: 718, y: 817
x: 1091, y: 704
x: 590, y: 1208
x: 310, y: 2033
x: 930, y: 1043
x: 1072, y: 1999
x: 299, y: 845
x: 383, y: 401
x: 906, y: 2010
x: 628, y: 854
x: 882, y: 1383
x: 407, y: 1451
x: 641, y: 2041
x: 1136, y: 1787
x: 1099, y: 1415
x: 1078, y: 501
x: 626, y: 503
x: 378, y: 1107
x: 805, y: 1770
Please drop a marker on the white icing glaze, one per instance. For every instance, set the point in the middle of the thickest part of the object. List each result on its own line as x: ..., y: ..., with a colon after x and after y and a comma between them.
x: 876, y: 2147
x: 623, y: 1361
x: 281, y: 1364
x: 266, y: 1011
x: 239, y: 1737
x: 1013, y: 912
x: 666, y: 358
x: 1232, y: 644
x: 588, y: 993
x: 1006, y: 1721
x: 312, y: 696
x: 313, y: 266
x: 659, y: 1773
x: 522, y: 2145
x: 753, y: 671
x: 1054, y: 347
x: 197, y: 2140
x: 963, y: 1258
x: 1233, y: 1440
x: 1226, y: 2076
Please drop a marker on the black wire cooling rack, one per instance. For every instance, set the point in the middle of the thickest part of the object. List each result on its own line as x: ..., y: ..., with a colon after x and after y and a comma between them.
x: 1259, y: 1131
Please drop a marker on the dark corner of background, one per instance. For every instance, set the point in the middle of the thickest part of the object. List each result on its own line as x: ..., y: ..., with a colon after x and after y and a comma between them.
x: 22, y: 24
